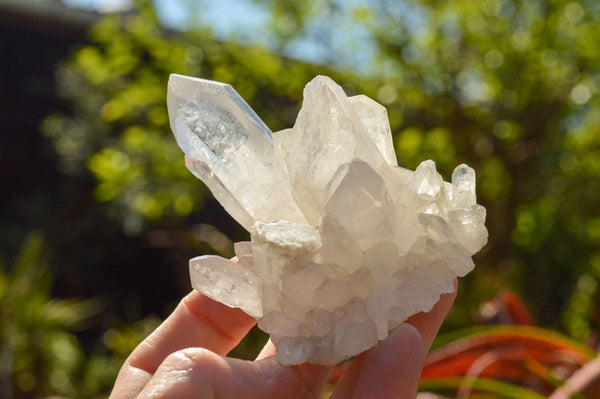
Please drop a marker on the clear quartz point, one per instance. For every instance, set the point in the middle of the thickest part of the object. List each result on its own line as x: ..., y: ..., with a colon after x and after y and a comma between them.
x: 345, y: 244
x: 230, y: 149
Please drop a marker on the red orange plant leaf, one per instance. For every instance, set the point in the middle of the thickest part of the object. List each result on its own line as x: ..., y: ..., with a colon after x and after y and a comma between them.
x: 526, y: 356
x: 517, y: 309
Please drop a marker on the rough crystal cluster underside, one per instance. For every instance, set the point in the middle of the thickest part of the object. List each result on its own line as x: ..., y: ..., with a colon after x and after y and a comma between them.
x: 345, y: 244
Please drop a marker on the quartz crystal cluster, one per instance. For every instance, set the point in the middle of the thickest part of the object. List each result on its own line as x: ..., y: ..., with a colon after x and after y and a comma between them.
x: 345, y: 244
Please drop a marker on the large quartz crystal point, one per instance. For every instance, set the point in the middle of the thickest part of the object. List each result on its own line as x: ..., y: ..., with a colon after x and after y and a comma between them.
x: 374, y: 116
x: 331, y: 133
x: 230, y: 149
x: 359, y: 202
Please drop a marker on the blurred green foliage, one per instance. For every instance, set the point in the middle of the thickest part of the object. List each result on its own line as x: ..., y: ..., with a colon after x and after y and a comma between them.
x: 40, y: 354
x: 510, y: 87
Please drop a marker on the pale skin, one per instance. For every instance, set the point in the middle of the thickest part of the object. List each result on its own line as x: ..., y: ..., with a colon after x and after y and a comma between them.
x: 186, y: 358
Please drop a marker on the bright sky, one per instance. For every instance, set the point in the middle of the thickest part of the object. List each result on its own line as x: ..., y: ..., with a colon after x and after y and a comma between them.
x: 224, y: 16
x: 247, y: 21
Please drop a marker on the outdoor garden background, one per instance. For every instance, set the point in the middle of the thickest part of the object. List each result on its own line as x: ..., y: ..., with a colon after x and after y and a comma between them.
x: 98, y: 215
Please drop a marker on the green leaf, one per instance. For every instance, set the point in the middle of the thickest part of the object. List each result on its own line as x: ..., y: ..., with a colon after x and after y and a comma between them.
x: 498, y: 389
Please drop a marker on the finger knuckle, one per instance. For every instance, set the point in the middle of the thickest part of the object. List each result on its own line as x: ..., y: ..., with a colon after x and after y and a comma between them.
x: 191, y: 359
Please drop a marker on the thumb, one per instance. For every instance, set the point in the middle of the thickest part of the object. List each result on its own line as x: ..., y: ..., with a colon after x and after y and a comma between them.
x: 199, y: 373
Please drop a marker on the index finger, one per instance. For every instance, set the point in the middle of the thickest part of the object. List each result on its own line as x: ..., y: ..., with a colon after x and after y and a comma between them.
x: 198, y: 321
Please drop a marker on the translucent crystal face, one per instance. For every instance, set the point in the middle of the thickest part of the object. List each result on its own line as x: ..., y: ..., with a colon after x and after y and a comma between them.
x: 345, y: 245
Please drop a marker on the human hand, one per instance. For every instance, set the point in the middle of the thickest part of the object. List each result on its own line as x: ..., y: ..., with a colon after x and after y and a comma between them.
x: 185, y: 358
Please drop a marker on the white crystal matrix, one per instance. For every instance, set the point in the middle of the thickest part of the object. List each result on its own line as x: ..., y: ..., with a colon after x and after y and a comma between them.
x: 346, y: 245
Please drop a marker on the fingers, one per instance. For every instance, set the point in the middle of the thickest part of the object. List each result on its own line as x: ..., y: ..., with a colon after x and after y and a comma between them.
x: 209, y: 330
x: 428, y: 324
x: 198, y: 321
x: 390, y: 370
x: 199, y: 373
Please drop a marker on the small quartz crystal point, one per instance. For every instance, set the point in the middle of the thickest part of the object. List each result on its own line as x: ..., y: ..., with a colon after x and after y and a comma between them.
x: 345, y: 244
